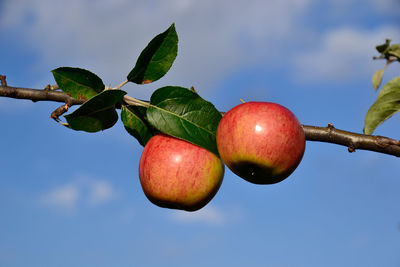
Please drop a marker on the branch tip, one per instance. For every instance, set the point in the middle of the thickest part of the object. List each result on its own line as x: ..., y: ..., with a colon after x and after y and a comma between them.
x: 59, y: 111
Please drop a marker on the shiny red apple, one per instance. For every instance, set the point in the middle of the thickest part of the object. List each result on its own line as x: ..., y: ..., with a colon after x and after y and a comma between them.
x: 179, y: 175
x: 261, y: 142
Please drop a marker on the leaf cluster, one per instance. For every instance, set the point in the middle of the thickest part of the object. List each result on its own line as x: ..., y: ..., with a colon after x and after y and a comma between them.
x: 388, y: 100
x: 179, y: 111
x: 172, y: 110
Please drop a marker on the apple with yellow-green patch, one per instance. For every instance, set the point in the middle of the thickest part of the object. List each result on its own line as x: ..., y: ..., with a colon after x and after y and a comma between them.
x: 177, y: 174
x: 262, y: 142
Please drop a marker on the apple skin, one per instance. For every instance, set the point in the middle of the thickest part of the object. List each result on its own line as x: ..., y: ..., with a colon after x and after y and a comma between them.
x: 262, y: 142
x: 177, y: 174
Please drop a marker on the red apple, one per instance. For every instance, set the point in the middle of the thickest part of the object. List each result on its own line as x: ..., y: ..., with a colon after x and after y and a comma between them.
x: 179, y: 175
x: 261, y: 142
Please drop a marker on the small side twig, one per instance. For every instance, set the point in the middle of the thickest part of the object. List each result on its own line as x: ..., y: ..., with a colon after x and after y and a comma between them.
x: 389, y: 59
x: 122, y: 84
x: 55, y: 115
x: 3, y: 80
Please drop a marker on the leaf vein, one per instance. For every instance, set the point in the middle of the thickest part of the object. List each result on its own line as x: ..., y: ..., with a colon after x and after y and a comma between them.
x: 183, y: 118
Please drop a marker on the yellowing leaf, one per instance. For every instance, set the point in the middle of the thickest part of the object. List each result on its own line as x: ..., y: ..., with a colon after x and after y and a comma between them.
x: 377, y: 79
x: 385, y: 106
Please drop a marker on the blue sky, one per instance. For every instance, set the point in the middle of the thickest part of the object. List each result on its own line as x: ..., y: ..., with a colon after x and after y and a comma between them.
x: 74, y: 199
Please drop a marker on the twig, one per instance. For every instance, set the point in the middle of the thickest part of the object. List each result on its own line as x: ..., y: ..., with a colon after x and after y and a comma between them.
x: 38, y: 95
x: 122, y: 84
x: 55, y: 115
x: 329, y: 134
x: 136, y: 102
x: 352, y: 140
x: 3, y: 81
x: 389, y: 59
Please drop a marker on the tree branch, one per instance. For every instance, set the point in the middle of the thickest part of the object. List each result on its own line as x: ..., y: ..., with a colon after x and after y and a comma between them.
x: 39, y: 95
x: 352, y: 140
x: 327, y: 134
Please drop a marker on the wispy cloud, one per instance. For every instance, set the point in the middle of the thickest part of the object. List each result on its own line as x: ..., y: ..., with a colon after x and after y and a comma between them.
x: 214, y: 39
x: 63, y: 196
x: 208, y: 215
x: 83, y: 192
x: 99, y: 192
x: 341, y: 54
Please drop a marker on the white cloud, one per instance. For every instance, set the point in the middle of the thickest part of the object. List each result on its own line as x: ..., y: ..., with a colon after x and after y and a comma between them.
x: 80, y: 192
x: 208, y: 215
x: 341, y: 54
x: 216, y: 37
x: 64, y: 197
x: 100, y: 192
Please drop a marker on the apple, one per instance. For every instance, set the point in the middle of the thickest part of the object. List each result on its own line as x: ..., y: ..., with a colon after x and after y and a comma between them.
x: 262, y: 142
x: 177, y: 174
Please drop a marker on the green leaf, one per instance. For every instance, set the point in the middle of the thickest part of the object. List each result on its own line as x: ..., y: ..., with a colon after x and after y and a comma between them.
x: 392, y: 85
x: 385, y: 106
x: 377, y: 79
x: 135, y: 123
x: 78, y: 83
x: 394, y: 50
x: 96, y: 114
x: 382, y: 48
x: 156, y: 59
x: 182, y: 113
